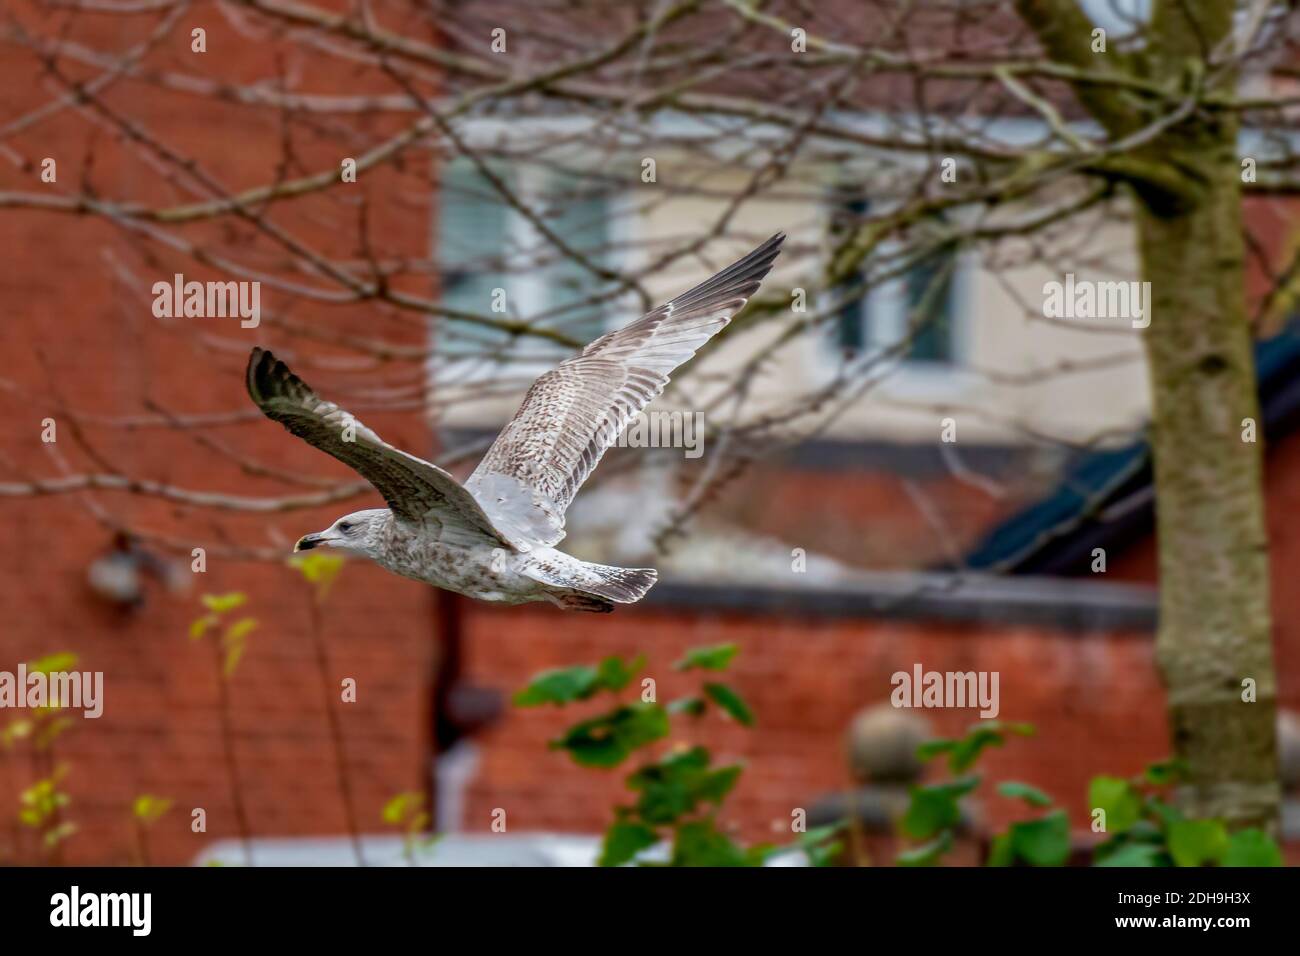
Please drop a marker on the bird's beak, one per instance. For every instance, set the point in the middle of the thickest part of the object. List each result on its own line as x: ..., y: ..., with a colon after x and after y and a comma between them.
x: 309, y: 541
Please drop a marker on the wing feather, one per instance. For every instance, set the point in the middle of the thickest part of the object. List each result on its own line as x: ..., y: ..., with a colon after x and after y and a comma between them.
x: 572, y: 414
x: 416, y: 490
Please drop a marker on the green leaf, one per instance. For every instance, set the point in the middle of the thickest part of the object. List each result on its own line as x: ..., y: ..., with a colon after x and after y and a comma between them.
x: 1119, y: 799
x: 930, y: 749
x: 16, y: 730
x: 934, y: 808
x: 606, y: 741
x: 1133, y: 854
x: 43, y: 799
x: 60, y: 833
x: 699, y: 843
x: 928, y: 854
x: 1031, y: 795
x: 823, y: 832
x: 560, y: 686
x: 692, y: 706
x: 669, y: 788
x: 221, y: 603
x: 51, y: 663
x: 148, y: 808
x: 1197, y: 842
x: 1042, y: 842
x: 1166, y: 813
x: 568, y: 684
x: 963, y: 752
x: 1164, y: 772
x: 716, y: 785
x: 1001, y: 852
x: 821, y: 845
x: 759, y: 853
x: 969, y: 748
x: 673, y: 787
x: 234, y: 642
x: 731, y: 702
x: 623, y: 841
x: 613, y: 675
x: 318, y: 568
x: 1144, y: 831
x: 399, y: 807
x: 241, y: 629
x: 715, y: 658
x: 199, y: 626
x: 1252, y: 847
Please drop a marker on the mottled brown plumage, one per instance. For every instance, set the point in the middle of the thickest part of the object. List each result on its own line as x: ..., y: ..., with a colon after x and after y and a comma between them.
x: 493, y: 537
x: 572, y: 414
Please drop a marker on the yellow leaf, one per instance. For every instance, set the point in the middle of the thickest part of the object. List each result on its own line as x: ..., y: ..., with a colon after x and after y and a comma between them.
x: 200, y: 626
x: 241, y: 629
x: 63, y: 661
x: 220, y: 603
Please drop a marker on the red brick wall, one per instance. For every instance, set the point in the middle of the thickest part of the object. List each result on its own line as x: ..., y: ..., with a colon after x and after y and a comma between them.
x: 1095, y: 700
x: 864, y: 516
x: 79, y: 344
x: 161, y: 728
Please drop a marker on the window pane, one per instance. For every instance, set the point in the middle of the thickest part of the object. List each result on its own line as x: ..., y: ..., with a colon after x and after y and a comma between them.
x: 484, y: 244
x: 472, y: 240
x: 580, y: 218
x: 929, y: 309
x: 851, y: 323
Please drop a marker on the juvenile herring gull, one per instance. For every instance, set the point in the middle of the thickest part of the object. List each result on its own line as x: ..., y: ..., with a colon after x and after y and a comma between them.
x: 493, y: 538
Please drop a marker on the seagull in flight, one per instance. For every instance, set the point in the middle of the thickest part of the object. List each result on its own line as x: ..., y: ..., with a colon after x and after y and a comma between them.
x: 493, y: 538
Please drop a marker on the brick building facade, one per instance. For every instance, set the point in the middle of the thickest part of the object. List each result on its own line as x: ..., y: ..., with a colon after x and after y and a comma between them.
x: 79, y: 347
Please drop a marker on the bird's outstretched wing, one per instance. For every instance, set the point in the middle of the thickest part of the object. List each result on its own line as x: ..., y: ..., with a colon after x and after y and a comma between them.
x: 573, y: 414
x: 416, y: 490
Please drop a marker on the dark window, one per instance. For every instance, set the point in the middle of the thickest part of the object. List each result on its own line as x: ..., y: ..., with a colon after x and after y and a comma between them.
x: 851, y: 327
x: 928, y: 307
x: 484, y: 244
x: 923, y: 299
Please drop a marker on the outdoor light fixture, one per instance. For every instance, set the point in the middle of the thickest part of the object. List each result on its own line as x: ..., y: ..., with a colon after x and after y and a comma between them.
x: 117, y: 575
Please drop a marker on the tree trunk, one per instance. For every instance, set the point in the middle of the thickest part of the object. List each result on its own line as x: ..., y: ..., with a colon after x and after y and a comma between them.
x: 1214, y: 586
x: 1214, y: 636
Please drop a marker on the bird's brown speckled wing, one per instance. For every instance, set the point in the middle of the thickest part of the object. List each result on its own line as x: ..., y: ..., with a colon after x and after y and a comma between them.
x: 416, y: 490
x: 573, y: 414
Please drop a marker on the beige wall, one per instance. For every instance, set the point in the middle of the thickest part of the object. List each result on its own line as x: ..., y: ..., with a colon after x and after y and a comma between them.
x: 1093, y: 380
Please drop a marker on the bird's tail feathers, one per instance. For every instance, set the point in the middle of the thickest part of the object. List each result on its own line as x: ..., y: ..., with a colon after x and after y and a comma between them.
x: 622, y: 585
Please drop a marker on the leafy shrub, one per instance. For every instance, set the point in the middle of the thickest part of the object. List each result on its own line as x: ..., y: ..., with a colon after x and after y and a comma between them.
x: 678, y: 794
x: 1143, y: 827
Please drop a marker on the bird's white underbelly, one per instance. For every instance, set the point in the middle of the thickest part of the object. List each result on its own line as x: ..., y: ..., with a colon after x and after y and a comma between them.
x: 481, y: 571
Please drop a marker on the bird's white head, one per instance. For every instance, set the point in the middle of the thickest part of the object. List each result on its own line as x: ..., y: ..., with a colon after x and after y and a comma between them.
x: 360, y: 533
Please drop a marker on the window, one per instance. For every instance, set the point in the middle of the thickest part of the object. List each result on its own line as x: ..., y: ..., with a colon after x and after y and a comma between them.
x: 923, y: 299
x: 928, y: 309
x: 471, y: 243
x: 495, y: 262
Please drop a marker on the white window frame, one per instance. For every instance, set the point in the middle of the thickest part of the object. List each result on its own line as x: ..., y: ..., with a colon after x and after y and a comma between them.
x: 526, y: 291
x: 883, y: 314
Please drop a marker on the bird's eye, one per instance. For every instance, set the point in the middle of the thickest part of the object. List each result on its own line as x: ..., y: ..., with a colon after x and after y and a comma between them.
x: 345, y: 527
